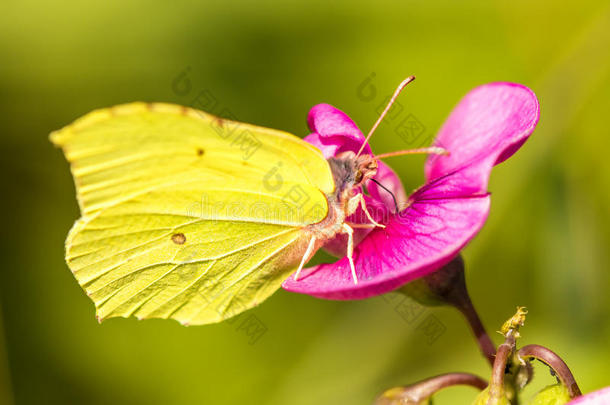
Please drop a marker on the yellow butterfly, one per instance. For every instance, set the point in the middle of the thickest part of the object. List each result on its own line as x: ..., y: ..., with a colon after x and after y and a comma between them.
x: 196, y: 218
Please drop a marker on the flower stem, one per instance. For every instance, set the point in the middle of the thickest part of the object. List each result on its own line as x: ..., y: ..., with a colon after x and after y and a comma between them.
x: 437, y: 383
x: 505, y: 350
x: 488, y: 349
x: 423, y: 390
x: 447, y: 286
x: 555, y: 362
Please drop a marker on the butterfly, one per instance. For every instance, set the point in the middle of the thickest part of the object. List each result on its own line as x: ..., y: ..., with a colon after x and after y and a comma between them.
x: 196, y: 218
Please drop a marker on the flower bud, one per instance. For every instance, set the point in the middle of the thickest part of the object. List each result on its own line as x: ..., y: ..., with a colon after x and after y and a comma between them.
x: 484, y: 399
x: 552, y: 395
x: 445, y: 286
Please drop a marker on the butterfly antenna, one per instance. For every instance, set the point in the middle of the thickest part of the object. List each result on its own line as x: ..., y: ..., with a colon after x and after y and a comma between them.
x: 388, y: 190
x: 430, y: 150
x: 401, y: 86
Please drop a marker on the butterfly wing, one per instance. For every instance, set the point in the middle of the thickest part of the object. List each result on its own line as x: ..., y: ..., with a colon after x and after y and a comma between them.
x: 185, y: 215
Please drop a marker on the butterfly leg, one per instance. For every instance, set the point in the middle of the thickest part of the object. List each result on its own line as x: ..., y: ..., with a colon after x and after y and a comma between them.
x: 312, y: 243
x: 368, y: 215
x: 350, y: 250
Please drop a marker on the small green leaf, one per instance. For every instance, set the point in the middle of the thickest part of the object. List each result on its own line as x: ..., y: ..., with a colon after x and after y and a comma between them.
x: 552, y: 395
x: 483, y: 398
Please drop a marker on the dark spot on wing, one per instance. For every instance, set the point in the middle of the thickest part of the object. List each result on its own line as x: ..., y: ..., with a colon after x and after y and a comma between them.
x: 150, y: 106
x: 220, y: 122
x: 200, y: 151
x: 184, y: 110
x: 179, y: 238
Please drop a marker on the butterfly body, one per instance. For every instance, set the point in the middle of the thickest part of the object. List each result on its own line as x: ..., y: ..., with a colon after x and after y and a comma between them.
x: 349, y: 173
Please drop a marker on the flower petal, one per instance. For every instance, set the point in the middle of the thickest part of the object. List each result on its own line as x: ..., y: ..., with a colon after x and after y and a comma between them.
x: 489, y: 124
x: 329, y: 145
x: 334, y: 129
x: 422, y: 238
x: 486, y: 127
x: 599, y: 397
x: 327, y: 120
x: 388, y: 178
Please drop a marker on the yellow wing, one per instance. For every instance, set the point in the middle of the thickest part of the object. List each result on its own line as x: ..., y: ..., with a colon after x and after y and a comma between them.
x: 185, y: 215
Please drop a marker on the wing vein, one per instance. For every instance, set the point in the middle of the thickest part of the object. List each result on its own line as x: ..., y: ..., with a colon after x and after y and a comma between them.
x: 247, y: 273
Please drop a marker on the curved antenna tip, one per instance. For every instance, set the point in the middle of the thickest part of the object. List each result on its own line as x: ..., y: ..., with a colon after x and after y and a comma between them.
x: 400, y: 87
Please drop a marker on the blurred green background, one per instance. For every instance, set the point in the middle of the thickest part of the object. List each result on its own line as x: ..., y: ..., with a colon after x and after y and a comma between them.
x: 545, y: 244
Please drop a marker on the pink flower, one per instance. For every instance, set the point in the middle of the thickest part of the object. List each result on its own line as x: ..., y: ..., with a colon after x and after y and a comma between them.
x: 437, y: 220
x: 600, y: 397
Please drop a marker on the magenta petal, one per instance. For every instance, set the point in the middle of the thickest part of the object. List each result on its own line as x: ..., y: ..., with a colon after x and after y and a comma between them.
x: 327, y: 120
x: 599, y: 397
x: 329, y: 146
x: 489, y: 124
x: 332, y: 145
x: 486, y: 127
x: 422, y: 238
x: 334, y: 129
x: 386, y: 176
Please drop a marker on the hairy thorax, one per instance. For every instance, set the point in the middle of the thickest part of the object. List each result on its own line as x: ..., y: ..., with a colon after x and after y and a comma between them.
x: 349, y: 173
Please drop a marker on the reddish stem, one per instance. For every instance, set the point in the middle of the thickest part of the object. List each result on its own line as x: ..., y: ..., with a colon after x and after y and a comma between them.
x: 449, y: 286
x: 555, y: 362
x: 488, y: 349
x: 425, y: 389
x: 437, y: 383
x: 505, y: 350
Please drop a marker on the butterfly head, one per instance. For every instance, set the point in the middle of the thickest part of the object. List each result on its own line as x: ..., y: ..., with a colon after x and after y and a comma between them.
x: 365, y: 169
x: 351, y: 171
